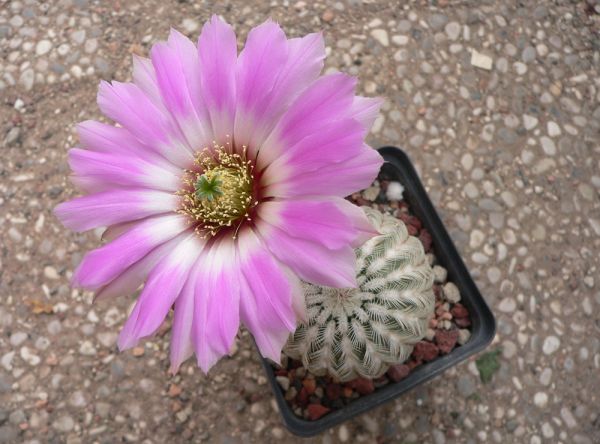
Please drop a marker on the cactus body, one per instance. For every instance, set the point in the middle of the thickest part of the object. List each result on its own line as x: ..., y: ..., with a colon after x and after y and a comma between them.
x: 362, y: 331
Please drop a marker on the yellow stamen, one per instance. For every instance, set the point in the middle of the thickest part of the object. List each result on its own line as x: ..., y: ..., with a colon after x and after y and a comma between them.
x: 220, y: 192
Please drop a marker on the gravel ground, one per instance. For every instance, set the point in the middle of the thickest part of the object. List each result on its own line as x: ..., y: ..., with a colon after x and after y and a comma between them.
x: 498, y: 104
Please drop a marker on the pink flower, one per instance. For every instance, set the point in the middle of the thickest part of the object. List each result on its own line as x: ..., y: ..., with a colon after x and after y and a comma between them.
x: 222, y: 187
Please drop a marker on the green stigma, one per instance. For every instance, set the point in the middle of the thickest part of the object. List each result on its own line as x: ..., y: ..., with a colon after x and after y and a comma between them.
x: 208, y: 187
x: 220, y: 193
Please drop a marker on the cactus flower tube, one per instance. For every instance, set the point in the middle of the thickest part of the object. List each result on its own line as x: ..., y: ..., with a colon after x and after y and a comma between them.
x: 362, y: 331
x: 222, y: 186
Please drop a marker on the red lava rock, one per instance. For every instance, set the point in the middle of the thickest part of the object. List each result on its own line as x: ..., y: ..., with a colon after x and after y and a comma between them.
x: 363, y: 386
x: 347, y: 391
x: 302, y: 397
x: 426, y: 240
x: 446, y: 340
x: 425, y: 351
x: 411, y: 221
x: 316, y: 411
x: 404, y: 217
x: 333, y: 391
x: 398, y: 372
x: 310, y: 385
x: 412, y: 230
x: 459, y: 311
x: 412, y: 364
x: 281, y: 372
x: 360, y: 201
x: 463, y: 322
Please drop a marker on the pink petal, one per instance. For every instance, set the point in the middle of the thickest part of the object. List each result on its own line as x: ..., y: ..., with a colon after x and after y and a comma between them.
x: 267, y: 296
x: 101, y: 266
x: 359, y: 221
x: 135, y: 275
x: 98, y: 136
x: 340, y: 141
x: 113, y: 207
x: 114, y: 231
x: 177, y: 71
x: 270, y: 341
x: 160, y: 292
x: 317, y: 221
x: 325, y: 101
x: 297, y: 291
x: 216, y: 304
x: 365, y: 110
x: 258, y: 67
x: 128, y: 105
x: 340, y: 179
x: 101, y: 171
x: 145, y: 77
x: 217, y: 50
x: 302, y: 67
x: 182, y: 344
x: 311, y: 261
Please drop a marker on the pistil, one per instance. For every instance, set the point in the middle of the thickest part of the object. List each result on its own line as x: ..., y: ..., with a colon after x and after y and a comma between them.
x: 218, y: 193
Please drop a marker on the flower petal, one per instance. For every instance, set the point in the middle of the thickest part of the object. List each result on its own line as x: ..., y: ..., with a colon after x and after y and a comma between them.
x: 313, y: 111
x: 340, y: 179
x: 160, y: 292
x: 98, y: 136
x: 267, y: 296
x: 101, y: 171
x: 302, y: 67
x: 145, y: 77
x: 217, y: 50
x: 114, y: 231
x: 216, y: 307
x: 342, y: 140
x: 128, y: 105
x: 102, y: 265
x: 182, y: 343
x: 134, y: 276
x: 317, y: 221
x: 177, y: 71
x: 359, y: 221
x: 113, y: 207
x: 258, y: 67
x: 311, y: 261
x: 365, y: 110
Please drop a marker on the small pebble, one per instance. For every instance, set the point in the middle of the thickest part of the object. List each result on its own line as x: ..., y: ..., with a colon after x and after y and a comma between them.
x: 43, y: 47
x: 440, y: 274
x: 451, y: 292
x: 381, y: 36
x: 463, y: 336
x: 394, y: 192
x: 480, y: 60
x: 551, y: 345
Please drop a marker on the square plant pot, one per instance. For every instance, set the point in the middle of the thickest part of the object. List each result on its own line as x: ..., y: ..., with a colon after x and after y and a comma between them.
x: 398, y: 167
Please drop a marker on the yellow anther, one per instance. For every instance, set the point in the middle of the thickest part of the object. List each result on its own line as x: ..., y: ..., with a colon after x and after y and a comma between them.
x: 218, y: 192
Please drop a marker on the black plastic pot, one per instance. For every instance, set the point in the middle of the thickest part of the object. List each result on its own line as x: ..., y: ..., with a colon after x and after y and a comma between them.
x: 483, y: 325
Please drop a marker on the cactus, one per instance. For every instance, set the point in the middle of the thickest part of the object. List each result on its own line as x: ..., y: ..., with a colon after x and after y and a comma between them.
x: 361, y: 331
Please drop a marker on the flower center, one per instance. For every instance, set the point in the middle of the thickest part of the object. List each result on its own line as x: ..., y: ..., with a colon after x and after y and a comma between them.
x: 219, y: 193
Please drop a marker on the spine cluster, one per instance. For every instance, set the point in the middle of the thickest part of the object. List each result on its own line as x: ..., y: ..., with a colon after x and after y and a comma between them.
x: 362, y: 331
